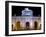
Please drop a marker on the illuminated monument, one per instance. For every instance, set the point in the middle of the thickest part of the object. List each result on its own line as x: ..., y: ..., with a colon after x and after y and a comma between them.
x: 27, y: 12
x: 28, y: 22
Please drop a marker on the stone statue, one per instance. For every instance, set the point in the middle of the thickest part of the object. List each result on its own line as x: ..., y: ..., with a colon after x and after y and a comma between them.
x: 27, y: 12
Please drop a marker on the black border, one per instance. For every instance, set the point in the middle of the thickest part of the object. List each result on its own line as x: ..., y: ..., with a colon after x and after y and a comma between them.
x: 7, y: 14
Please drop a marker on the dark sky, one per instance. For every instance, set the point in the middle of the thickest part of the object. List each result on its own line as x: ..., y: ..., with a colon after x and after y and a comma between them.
x: 16, y: 10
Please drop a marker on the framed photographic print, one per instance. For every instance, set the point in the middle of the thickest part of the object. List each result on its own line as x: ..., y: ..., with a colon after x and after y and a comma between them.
x: 24, y: 18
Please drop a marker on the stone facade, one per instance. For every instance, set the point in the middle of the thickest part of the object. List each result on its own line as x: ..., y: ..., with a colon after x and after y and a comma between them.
x: 25, y: 19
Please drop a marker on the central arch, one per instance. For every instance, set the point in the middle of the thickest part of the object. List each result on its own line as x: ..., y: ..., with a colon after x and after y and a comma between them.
x: 27, y: 25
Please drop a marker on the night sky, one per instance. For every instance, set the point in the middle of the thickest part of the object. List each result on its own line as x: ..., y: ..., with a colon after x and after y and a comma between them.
x: 16, y: 10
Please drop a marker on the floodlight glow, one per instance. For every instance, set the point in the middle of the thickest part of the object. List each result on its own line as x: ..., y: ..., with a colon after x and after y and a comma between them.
x: 27, y: 12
